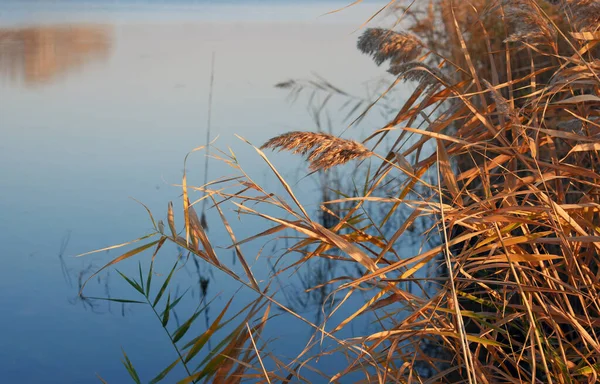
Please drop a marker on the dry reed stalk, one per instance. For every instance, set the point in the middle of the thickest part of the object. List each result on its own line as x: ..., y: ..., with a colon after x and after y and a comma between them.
x: 324, y: 151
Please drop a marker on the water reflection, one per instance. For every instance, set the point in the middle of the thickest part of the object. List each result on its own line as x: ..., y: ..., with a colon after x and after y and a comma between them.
x: 38, y: 55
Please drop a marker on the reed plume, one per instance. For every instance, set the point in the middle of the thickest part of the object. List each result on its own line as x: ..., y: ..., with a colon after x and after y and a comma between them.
x: 529, y: 24
x: 323, y: 151
x: 586, y: 14
x: 419, y: 72
x: 384, y: 44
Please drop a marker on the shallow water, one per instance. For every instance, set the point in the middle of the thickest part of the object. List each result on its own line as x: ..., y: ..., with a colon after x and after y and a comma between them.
x: 100, y: 103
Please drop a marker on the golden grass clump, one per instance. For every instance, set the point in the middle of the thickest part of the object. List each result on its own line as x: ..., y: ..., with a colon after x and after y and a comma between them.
x: 515, y: 202
x: 324, y: 150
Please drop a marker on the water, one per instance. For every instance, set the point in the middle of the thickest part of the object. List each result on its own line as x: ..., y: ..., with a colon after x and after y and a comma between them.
x: 100, y: 102
x: 40, y: 11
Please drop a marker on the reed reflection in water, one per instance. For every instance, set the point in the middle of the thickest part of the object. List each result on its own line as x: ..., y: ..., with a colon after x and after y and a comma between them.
x: 41, y: 54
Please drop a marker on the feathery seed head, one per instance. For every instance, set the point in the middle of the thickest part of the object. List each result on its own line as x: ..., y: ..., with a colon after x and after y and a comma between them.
x: 419, y: 72
x: 323, y: 151
x: 530, y: 25
x: 586, y: 14
x: 384, y: 44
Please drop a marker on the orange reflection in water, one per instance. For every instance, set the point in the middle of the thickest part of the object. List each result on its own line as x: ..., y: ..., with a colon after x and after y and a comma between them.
x: 38, y: 55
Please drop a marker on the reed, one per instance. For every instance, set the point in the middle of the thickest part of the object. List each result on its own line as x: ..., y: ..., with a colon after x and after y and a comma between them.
x: 323, y: 150
x: 499, y: 155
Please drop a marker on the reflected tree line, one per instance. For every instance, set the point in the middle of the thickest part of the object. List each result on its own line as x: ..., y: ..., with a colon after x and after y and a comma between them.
x: 41, y: 54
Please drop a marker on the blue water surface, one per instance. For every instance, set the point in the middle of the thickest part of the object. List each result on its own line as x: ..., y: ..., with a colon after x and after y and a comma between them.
x: 99, y: 103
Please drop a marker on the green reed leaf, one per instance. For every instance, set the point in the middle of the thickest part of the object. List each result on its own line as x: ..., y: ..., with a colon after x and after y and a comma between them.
x: 175, y: 302
x: 164, y: 286
x: 165, y: 372
x: 182, y: 330
x: 203, y: 339
x: 149, y: 278
x: 132, y: 372
x: 126, y: 301
x: 165, y: 319
x: 132, y: 282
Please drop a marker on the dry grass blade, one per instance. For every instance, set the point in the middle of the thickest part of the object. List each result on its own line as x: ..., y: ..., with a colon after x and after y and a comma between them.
x: 238, y: 251
x: 171, y: 220
x: 199, y: 234
x: 119, y: 259
x: 258, y: 354
x: 117, y: 246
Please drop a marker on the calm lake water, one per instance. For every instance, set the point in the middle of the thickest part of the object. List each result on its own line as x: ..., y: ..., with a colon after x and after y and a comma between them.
x: 100, y: 102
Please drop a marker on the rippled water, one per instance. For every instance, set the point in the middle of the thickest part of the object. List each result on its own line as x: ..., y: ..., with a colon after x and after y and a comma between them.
x: 100, y: 103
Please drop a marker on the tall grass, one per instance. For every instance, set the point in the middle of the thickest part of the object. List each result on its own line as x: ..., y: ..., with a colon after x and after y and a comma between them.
x: 497, y: 148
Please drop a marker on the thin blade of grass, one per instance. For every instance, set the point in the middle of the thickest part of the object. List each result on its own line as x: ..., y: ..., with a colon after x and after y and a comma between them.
x: 132, y: 372
x: 132, y: 282
x: 124, y: 256
x: 167, y: 312
x: 238, y: 251
x: 164, y: 286
x: 160, y: 377
x: 206, y: 335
